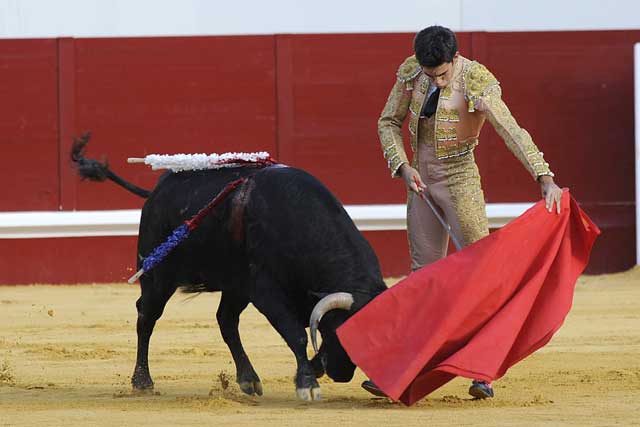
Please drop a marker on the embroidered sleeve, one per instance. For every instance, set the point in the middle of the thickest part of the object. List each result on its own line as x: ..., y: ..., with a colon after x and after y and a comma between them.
x: 477, y: 81
x: 394, y: 113
x: 486, y: 96
x: 409, y: 70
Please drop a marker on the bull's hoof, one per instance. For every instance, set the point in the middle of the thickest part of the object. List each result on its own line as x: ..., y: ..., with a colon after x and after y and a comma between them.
x: 307, y: 387
x: 249, y: 381
x: 142, y: 386
x: 143, y: 391
x: 251, y: 387
x: 309, y: 394
x: 141, y: 381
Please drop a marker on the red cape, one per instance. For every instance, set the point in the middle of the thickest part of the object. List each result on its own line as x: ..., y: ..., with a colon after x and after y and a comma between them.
x: 476, y: 312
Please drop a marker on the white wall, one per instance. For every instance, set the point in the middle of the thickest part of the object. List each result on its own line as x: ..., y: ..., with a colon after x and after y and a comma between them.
x: 549, y: 15
x: 118, y: 18
x: 47, y: 224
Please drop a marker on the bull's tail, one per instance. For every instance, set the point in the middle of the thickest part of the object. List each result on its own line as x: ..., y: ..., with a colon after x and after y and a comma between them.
x: 96, y: 171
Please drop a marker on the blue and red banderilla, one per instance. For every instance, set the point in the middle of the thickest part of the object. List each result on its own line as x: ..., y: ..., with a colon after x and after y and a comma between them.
x: 183, y: 231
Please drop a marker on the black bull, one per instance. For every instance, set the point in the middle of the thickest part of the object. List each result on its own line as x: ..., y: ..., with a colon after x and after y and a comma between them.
x: 280, y: 241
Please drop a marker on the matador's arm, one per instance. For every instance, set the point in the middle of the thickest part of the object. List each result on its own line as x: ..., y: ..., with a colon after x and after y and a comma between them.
x: 394, y: 113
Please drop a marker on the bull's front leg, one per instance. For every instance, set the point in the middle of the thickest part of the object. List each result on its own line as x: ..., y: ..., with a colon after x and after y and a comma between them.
x: 273, y: 304
x: 228, y: 315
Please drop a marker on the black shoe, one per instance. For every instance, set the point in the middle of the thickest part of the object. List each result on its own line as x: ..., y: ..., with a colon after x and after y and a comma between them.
x: 372, y: 388
x: 481, y: 390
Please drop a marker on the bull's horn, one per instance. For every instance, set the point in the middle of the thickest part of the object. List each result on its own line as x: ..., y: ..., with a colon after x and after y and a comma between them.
x: 341, y: 300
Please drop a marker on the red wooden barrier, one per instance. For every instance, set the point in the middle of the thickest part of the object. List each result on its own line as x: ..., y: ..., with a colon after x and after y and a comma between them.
x: 142, y: 96
x: 313, y: 102
x: 29, y: 125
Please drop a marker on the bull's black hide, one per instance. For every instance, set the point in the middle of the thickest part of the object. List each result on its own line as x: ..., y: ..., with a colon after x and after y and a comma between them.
x: 281, y: 241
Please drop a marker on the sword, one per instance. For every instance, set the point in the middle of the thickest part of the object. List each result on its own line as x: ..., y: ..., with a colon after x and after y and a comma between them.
x: 444, y: 224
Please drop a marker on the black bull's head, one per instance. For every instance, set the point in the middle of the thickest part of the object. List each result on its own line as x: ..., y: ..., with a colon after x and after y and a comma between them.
x: 328, y: 314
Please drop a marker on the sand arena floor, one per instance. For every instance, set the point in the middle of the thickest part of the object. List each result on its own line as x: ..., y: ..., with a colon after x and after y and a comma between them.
x: 67, y: 353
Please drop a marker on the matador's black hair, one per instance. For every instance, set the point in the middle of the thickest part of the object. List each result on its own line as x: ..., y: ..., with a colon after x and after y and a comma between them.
x: 434, y: 46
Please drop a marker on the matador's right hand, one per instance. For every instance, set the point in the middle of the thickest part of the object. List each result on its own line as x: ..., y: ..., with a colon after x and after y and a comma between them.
x: 412, y: 178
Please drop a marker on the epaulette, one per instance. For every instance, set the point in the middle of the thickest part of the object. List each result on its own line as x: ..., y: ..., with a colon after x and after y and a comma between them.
x: 409, y: 69
x: 477, y: 79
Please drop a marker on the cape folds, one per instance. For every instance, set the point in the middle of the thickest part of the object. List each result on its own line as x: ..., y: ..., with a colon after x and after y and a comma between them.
x: 477, y: 312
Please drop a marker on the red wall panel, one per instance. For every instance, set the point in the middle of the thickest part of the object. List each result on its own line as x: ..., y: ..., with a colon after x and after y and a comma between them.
x: 392, y: 249
x: 67, y: 260
x: 29, y: 125
x: 573, y: 91
x: 141, y: 96
x: 112, y: 259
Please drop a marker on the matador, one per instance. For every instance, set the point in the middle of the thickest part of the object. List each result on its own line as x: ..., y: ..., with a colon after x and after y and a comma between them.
x: 444, y: 123
x: 448, y: 98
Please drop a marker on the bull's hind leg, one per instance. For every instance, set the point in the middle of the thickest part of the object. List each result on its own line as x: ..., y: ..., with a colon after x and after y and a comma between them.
x: 274, y: 304
x: 150, y: 305
x: 228, y: 315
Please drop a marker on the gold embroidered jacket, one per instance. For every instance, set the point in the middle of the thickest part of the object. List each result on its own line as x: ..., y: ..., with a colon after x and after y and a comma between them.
x: 472, y: 96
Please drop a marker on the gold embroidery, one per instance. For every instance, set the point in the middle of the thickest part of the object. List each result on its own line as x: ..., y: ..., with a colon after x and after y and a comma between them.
x: 453, y: 112
x: 413, y: 125
x: 468, y: 199
x: 482, y: 92
x: 424, y: 85
x: 450, y: 149
x: 477, y: 81
x: 445, y: 93
x: 416, y: 105
x: 390, y: 127
x: 448, y: 115
x: 446, y: 134
x: 409, y: 69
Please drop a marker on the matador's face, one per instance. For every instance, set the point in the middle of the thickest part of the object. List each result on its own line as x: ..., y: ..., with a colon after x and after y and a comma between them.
x: 441, y: 75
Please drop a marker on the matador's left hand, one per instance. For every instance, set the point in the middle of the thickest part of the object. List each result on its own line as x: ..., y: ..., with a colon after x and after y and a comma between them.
x: 550, y: 192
